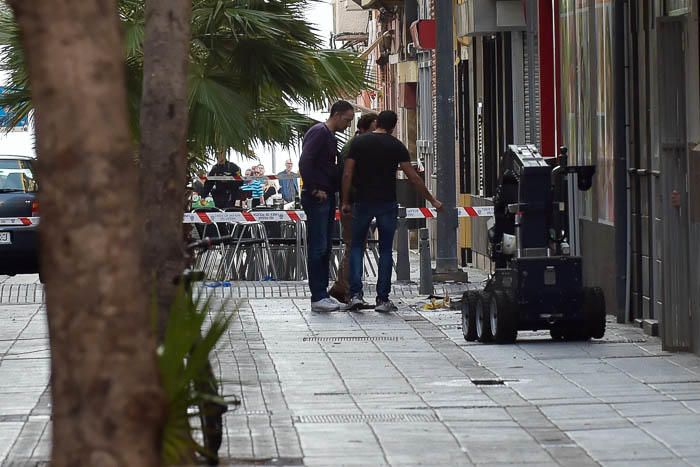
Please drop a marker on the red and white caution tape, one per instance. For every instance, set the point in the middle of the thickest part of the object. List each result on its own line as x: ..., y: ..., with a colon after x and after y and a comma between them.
x: 243, y: 216
x: 19, y: 221
x: 285, y: 216
x: 272, y: 216
x: 467, y: 211
x: 230, y: 178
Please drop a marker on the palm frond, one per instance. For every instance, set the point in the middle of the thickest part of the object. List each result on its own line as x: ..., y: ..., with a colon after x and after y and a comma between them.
x: 252, y: 62
x: 183, y: 360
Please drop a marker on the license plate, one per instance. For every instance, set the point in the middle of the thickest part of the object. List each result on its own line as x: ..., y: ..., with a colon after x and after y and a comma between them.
x: 5, y: 238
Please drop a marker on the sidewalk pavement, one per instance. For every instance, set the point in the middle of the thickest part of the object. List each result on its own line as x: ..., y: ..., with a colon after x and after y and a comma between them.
x: 404, y: 388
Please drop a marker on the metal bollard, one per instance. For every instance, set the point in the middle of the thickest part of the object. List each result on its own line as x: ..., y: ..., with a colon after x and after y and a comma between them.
x: 426, y: 271
x: 403, y: 267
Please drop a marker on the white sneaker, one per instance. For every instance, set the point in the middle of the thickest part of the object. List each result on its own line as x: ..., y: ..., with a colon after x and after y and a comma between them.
x: 325, y: 304
x: 385, y: 306
x: 341, y: 305
x: 356, y: 303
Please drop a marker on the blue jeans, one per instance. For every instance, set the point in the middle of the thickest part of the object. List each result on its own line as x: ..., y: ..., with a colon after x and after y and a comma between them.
x: 320, y: 219
x: 362, y: 215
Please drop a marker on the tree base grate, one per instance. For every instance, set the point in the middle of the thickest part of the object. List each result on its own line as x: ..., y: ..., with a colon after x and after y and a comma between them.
x: 367, y: 418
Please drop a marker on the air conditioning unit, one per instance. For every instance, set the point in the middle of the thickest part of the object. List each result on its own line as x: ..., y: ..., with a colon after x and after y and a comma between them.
x: 411, y: 50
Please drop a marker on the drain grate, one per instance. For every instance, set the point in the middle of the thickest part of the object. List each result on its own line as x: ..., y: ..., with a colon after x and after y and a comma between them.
x: 488, y: 382
x: 450, y: 326
x: 13, y: 418
x: 351, y: 338
x: 367, y: 418
x: 273, y: 461
x: 246, y: 413
x: 346, y: 393
x: 621, y: 340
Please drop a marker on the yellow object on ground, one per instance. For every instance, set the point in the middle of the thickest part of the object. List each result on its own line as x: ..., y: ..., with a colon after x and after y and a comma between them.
x: 437, y: 304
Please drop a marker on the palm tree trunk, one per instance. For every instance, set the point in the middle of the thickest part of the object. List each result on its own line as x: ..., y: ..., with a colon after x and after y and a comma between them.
x: 108, y: 405
x: 163, y: 144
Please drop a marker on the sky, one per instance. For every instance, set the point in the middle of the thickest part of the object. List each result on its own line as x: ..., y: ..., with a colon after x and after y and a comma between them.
x: 16, y: 142
x: 319, y: 14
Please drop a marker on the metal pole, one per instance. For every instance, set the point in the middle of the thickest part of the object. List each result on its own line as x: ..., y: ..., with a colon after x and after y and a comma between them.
x: 274, y: 161
x: 446, y: 254
x: 425, y: 287
x: 297, y: 270
x: 403, y: 268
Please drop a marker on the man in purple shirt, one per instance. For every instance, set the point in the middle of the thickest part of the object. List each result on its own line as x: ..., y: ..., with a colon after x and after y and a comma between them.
x: 318, y: 167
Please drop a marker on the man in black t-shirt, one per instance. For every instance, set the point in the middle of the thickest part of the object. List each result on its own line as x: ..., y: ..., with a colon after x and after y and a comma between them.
x: 341, y: 288
x: 225, y: 193
x: 371, y: 168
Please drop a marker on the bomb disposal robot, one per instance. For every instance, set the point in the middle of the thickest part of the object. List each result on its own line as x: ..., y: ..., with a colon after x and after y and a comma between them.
x: 537, y: 284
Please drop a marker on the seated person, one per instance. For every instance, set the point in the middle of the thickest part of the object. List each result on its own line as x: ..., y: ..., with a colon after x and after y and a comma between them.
x: 255, y: 188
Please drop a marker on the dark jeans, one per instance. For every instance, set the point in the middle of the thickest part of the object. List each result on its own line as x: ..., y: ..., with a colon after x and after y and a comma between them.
x: 320, y: 218
x: 362, y: 215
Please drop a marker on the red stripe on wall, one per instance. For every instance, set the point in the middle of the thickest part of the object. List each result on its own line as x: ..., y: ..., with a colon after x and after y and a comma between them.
x: 548, y: 84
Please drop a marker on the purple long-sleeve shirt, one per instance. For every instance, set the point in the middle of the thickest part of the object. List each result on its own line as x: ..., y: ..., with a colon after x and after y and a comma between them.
x: 318, y: 164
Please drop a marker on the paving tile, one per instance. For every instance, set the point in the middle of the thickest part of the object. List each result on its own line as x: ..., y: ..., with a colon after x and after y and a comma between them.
x: 340, y: 460
x: 338, y: 439
x: 619, y: 401
x: 659, y: 462
x: 642, y: 409
x: 501, y: 445
x: 406, y: 443
x: 630, y: 444
x: 665, y: 428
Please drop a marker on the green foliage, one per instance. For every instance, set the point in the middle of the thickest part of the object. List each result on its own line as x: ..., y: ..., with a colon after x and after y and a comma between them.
x: 253, y: 65
x: 183, y: 360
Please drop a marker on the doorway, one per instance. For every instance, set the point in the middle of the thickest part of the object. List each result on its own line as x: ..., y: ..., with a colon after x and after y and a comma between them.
x: 675, y: 323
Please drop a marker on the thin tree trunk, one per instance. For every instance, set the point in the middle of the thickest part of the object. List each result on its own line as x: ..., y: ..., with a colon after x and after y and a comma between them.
x: 163, y: 144
x: 108, y: 406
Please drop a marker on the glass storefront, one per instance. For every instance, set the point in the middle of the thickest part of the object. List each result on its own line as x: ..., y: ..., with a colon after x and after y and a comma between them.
x: 586, y: 54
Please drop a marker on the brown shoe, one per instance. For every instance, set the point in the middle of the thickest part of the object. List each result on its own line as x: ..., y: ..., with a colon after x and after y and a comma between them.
x: 336, y: 293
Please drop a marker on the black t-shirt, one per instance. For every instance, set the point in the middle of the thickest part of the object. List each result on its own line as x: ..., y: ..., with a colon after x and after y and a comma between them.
x: 223, y: 192
x: 377, y: 156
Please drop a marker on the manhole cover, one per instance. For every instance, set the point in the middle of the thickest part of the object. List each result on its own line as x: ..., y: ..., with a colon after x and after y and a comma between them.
x: 366, y: 418
x: 351, y: 338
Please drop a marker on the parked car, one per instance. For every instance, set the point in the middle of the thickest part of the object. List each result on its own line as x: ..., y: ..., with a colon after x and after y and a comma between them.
x: 19, y: 251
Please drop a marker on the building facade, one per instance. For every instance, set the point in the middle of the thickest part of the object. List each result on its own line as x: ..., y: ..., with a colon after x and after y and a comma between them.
x: 616, y: 82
